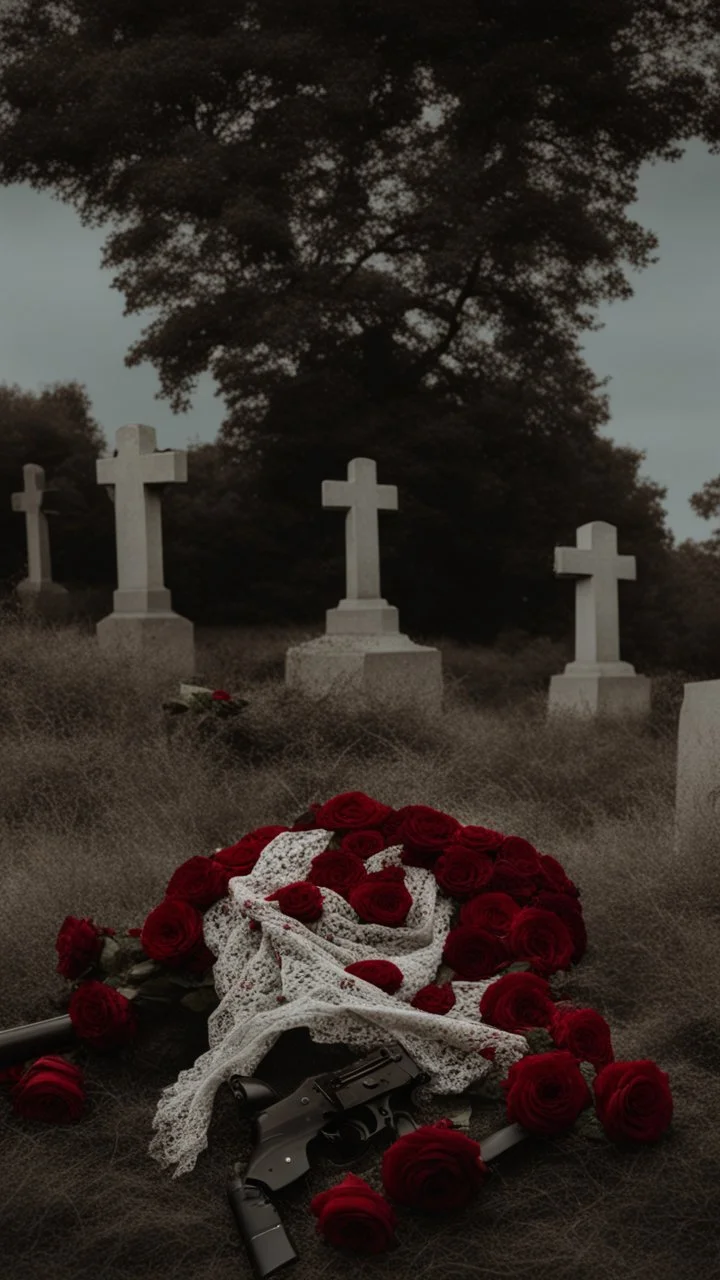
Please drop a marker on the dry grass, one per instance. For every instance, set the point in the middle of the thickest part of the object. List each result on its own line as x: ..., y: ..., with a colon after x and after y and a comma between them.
x: 97, y: 809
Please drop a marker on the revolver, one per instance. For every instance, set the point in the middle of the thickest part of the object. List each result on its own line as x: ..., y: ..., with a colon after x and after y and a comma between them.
x: 345, y: 1109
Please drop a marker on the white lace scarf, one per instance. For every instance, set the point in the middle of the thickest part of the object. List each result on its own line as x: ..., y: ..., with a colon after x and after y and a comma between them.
x: 261, y: 998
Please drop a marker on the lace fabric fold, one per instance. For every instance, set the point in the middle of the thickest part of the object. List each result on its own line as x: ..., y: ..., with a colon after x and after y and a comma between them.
x: 288, y: 974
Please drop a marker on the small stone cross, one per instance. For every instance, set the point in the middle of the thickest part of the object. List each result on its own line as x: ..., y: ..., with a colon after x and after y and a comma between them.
x: 36, y: 526
x: 596, y: 562
x: 133, y: 470
x: 364, y: 497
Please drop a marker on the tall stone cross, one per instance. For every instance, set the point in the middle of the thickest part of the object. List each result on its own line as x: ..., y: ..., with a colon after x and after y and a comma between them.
x: 29, y: 501
x: 133, y: 472
x: 595, y: 561
x: 364, y: 497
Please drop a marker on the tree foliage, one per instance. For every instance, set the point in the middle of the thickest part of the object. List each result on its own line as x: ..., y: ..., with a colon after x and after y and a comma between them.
x: 55, y: 429
x: 291, y: 175
x: 381, y: 227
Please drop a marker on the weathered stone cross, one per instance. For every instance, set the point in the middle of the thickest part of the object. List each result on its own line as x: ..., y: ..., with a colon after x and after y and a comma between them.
x: 596, y: 562
x: 364, y: 497
x: 36, y: 525
x: 138, y: 517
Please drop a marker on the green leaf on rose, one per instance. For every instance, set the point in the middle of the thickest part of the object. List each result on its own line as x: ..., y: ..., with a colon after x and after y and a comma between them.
x: 130, y: 993
x: 444, y: 974
x: 539, y: 1040
x: 185, y: 980
x: 145, y: 969
x: 519, y: 966
x: 588, y: 1072
x: 461, y: 1119
x: 200, y: 1001
x: 589, y: 1127
x: 490, y: 1088
x: 160, y: 986
x: 108, y: 957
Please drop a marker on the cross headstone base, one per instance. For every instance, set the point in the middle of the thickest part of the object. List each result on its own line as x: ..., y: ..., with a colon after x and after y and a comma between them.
x: 362, y: 617
x: 388, y: 667
x: 600, y: 688
x: 697, y: 794
x: 48, y: 601
x: 136, y: 635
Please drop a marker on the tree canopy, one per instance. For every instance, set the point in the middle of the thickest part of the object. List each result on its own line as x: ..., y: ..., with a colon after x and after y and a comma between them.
x: 381, y: 228
x: 295, y: 175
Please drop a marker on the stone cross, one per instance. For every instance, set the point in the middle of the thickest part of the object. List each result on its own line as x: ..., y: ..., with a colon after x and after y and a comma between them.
x: 596, y: 562
x: 364, y: 497
x: 133, y: 471
x: 36, y: 525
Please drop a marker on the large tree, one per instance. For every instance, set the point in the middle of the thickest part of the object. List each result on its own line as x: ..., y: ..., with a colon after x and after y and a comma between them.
x: 292, y: 174
x: 381, y: 226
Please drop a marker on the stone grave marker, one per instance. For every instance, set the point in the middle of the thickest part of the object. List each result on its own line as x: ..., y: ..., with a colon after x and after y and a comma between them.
x: 697, y: 792
x: 143, y: 620
x: 363, y: 650
x: 597, y: 682
x: 37, y: 593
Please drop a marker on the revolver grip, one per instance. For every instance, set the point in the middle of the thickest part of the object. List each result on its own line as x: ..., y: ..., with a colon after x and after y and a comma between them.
x: 259, y: 1223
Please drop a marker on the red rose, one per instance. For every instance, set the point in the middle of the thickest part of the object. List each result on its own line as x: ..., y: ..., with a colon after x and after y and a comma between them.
x: 474, y: 953
x: 102, y: 1015
x: 240, y: 858
x: 517, y: 1002
x: 424, y: 832
x: 633, y: 1100
x: 553, y: 877
x: 199, y: 881
x: 584, y: 1033
x: 353, y: 1216
x: 381, y: 901
x: 477, y: 839
x: 381, y: 973
x: 50, y: 1090
x: 172, y: 932
x: 390, y: 827
x: 460, y: 872
x: 506, y: 880
x: 541, y: 938
x: 520, y: 856
x: 434, y: 998
x: 219, y: 695
x: 336, y: 870
x: 363, y: 844
x: 545, y: 1093
x: 435, y: 1169
x: 78, y: 945
x: 352, y: 810
x: 301, y: 900
x: 490, y: 911
x: 570, y: 912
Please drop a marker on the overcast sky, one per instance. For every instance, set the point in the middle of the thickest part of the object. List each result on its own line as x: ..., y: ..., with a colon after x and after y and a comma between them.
x: 61, y: 320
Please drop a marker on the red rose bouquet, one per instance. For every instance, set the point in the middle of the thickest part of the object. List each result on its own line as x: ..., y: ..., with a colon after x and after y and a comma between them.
x: 365, y: 924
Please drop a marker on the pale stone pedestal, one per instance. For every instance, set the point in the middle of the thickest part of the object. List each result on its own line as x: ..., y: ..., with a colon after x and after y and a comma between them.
x: 601, y: 688
x: 697, y: 795
x: 373, y: 617
x: 46, y: 600
x: 149, y: 634
x: 388, y: 667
